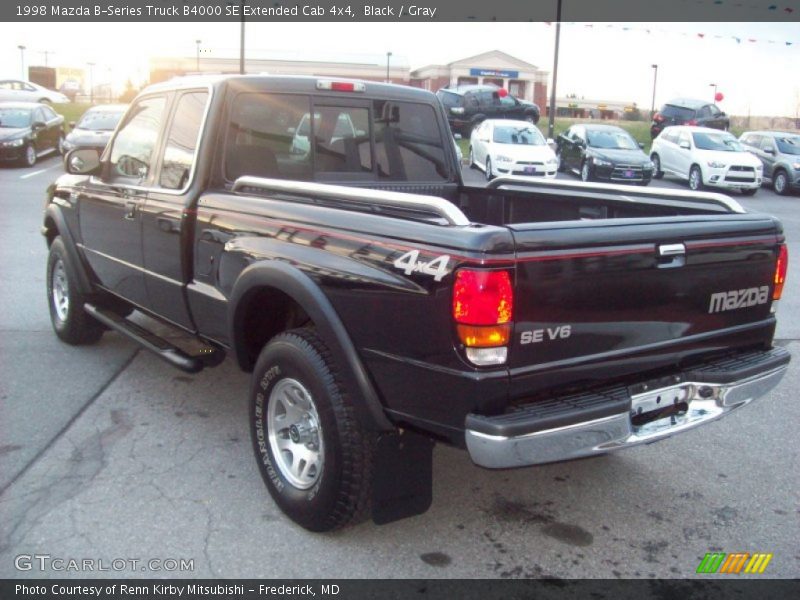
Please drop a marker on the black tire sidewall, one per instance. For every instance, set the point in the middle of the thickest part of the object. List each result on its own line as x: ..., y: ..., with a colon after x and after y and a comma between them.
x: 284, y: 358
x: 24, y: 159
x: 488, y: 166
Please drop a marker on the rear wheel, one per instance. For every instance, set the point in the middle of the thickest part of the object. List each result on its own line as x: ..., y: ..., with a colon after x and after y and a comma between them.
x: 695, y: 178
x: 657, y: 172
x: 313, y: 454
x: 71, y: 323
x: 780, y: 183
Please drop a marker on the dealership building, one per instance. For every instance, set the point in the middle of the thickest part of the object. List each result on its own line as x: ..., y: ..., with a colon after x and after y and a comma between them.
x: 520, y: 78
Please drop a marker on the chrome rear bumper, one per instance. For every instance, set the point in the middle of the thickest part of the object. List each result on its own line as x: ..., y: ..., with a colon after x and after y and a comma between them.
x: 696, y: 403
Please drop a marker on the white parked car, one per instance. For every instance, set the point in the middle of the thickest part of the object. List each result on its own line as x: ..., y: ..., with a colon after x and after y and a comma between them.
x: 14, y: 90
x: 706, y: 158
x: 506, y: 147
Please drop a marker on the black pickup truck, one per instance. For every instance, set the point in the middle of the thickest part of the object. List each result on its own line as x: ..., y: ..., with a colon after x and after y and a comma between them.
x: 319, y: 230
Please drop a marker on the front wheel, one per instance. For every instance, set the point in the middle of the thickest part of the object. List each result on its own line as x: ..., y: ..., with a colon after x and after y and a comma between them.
x: 471, y: 158
x: 657, y: 172
x: 28, y: 156
x: 313, y: 454
x: 60, y: 145
x: 489, y: 175
x: 695, y: 179
x: 70, y: 321
x: 781, y: 183
x: 586, y: 171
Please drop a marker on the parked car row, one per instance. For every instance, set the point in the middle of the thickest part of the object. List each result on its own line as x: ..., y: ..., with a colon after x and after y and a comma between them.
x: 31, y: 130
x: 779, y: 154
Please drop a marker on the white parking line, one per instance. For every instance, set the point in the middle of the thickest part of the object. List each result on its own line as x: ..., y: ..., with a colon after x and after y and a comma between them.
x: 39, y: 172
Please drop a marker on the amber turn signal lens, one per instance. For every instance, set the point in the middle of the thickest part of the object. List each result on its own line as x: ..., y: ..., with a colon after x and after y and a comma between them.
x: 474, y: 336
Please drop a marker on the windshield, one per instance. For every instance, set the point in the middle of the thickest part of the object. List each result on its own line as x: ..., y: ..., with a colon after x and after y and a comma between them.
x: 611, y: 139
x: 789, y: 144
x: 100, y: 120
x: 525, y: 136
x: 717, y: 141
x: 15, y: 117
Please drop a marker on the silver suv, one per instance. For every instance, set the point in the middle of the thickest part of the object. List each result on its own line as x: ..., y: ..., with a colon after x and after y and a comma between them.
x: 780, y: 154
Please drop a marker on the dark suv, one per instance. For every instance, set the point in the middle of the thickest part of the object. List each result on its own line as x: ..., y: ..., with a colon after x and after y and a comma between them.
x: 468, y: 105
x: 685, y: 111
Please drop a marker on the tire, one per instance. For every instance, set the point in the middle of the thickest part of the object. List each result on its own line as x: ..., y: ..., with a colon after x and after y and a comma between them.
x: 780, y: 182
x: 60, y: 144
x: 695, y: 179
x: 29, y: 157
x: 489, y: 175
x: 751, y: 192
x: 532, y: 118
x: 296, y: 383
x: 657, y: 172
x: 561, y: 166
x: 71, y: 323
x: 586, y: 171
x: 471, y: 158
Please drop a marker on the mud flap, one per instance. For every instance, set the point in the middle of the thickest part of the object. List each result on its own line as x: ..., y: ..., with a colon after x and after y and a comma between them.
x: 403, y: 481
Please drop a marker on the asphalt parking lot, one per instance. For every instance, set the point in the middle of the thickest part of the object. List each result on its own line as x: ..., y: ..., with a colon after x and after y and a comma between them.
x: 107, y: 453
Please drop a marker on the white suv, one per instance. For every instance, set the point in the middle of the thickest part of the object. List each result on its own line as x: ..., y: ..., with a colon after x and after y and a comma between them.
x: 706, y: 157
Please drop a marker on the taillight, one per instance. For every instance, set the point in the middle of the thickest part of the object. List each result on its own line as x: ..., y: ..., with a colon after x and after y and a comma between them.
x: 780, y: 272
x: 483, y: 307
x: 658, y: 118
x: 691, y: 122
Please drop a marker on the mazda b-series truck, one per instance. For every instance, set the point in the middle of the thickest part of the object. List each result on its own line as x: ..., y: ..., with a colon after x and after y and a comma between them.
x: 319, y: 231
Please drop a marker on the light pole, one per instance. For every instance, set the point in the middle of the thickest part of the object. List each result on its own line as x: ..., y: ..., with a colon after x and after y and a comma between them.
x: 388, y: 56
x: 46, y: 54
x: 22, y: 60
x: 197, y: 62
x: 91, y: 82
x: 714, y: 85
x: 655, y: 78
x: 551, y: 125
x: 241, y: 43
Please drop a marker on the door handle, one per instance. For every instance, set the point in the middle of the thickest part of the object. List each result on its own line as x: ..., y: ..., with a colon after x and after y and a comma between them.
x: 130, y: 210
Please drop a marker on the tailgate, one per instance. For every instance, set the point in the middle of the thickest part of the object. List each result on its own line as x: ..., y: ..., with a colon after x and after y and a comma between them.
x: 604, y: 290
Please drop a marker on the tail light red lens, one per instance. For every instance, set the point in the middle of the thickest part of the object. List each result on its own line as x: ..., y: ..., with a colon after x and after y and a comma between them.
x: 691, y: 122
x: 658, y: 118
x: 780, y: 272
x: 483, y: 297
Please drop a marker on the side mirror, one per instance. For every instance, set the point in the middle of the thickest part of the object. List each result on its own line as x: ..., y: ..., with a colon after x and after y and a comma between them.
x: 722, y: 114
x: 38, y: 125
x: 72, y: 125
x: 291, y: 130
x: 83, y: 161
x: 685, y: 145
x: 769, y: 150
x: 457, y: 136
x: 641, y: 145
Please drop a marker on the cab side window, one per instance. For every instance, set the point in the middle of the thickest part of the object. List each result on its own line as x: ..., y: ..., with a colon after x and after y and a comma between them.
x: 182, y: 141
x: 134, y: 145
x: 269, y: 135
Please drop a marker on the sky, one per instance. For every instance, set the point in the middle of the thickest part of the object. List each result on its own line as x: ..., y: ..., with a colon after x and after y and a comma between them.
x: 605, y: 61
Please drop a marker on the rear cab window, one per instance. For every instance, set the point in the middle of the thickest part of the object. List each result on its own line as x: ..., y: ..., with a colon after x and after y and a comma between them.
x: 679, y: 112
